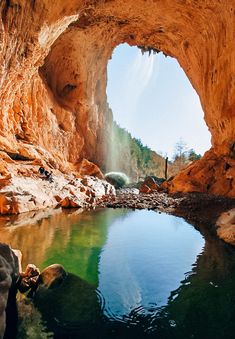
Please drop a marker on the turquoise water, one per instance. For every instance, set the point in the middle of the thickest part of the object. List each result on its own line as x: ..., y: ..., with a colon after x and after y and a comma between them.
x: 133, y: 274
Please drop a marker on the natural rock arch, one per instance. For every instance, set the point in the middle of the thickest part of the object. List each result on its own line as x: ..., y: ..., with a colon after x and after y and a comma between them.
x: 58, y: 115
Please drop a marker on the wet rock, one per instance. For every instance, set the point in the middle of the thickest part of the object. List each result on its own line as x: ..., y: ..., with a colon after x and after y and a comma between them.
x: 28, y: 279
x: 52, y: 276
x: 69, y: 304
x: 9, y: 270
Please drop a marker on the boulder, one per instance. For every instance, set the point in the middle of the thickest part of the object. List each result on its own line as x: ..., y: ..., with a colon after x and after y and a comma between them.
x: 86, y: 167
x: 145, y: 189
x: 69, y: 202
x: 52, y: 276
x: 149, y: 185
x: 70, y: 305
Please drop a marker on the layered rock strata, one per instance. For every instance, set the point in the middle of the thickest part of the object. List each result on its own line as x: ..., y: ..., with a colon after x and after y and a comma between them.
x: 53, y: 70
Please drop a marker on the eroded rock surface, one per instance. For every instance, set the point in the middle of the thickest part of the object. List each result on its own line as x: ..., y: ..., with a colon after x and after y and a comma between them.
x: 53, y: 65
x: 26, y: 190
x: 9, y: 270
x: 226, y: 226
x: 213, y: 173
x: 149, y: 185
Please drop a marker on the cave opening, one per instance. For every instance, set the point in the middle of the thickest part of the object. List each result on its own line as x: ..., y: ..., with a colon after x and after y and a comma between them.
x: 156, y: 113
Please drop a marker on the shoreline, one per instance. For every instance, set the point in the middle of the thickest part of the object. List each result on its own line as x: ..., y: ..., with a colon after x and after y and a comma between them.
x: 208, y: 212
x: 213, y: 216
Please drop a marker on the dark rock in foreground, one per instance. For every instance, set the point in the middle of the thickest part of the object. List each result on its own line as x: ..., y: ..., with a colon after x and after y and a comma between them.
x: 9, y: 270
x: 67, y: 303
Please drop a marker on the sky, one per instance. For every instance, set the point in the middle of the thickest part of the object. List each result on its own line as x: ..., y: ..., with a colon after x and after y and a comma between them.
x: 153, y: 99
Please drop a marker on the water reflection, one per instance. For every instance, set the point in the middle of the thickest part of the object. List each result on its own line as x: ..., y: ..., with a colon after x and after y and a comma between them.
x: 144, y: 259
x: 139, y: 262
x: 73, y: 307
x: 72, y: 238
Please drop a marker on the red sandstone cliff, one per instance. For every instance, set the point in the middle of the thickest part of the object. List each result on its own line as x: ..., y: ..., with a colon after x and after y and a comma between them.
x: 53, y: 64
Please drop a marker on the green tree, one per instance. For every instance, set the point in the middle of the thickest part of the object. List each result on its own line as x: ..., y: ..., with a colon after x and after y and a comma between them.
x: 192, y: 155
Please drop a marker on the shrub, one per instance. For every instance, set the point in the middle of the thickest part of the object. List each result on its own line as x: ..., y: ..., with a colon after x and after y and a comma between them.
x: 117, y: 179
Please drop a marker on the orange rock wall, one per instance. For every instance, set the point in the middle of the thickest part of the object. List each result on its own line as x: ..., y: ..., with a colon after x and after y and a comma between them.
x: 53, y: 64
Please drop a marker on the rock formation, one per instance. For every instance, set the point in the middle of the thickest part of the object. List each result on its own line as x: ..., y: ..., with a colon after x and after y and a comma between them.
x: 9, y: 270
x: 27, y: 191
x: 52, y: 276
x: 74, y: 303
x: 149, y: 185
x: 53, y: 65
x: 225, y: 226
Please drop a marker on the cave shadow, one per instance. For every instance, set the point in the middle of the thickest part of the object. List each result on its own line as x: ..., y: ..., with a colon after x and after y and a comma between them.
x: 202, y: 307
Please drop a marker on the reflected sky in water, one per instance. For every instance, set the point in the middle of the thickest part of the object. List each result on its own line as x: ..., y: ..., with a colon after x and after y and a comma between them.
x: 145, y: 257
x: 134, y: 274
x: 135, y: 258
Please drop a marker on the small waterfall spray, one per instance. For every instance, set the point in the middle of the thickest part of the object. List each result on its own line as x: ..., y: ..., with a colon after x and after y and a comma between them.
x: 119, y: 152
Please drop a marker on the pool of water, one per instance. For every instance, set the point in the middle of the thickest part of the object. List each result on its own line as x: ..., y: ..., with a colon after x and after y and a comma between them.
x: 132, y: 274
